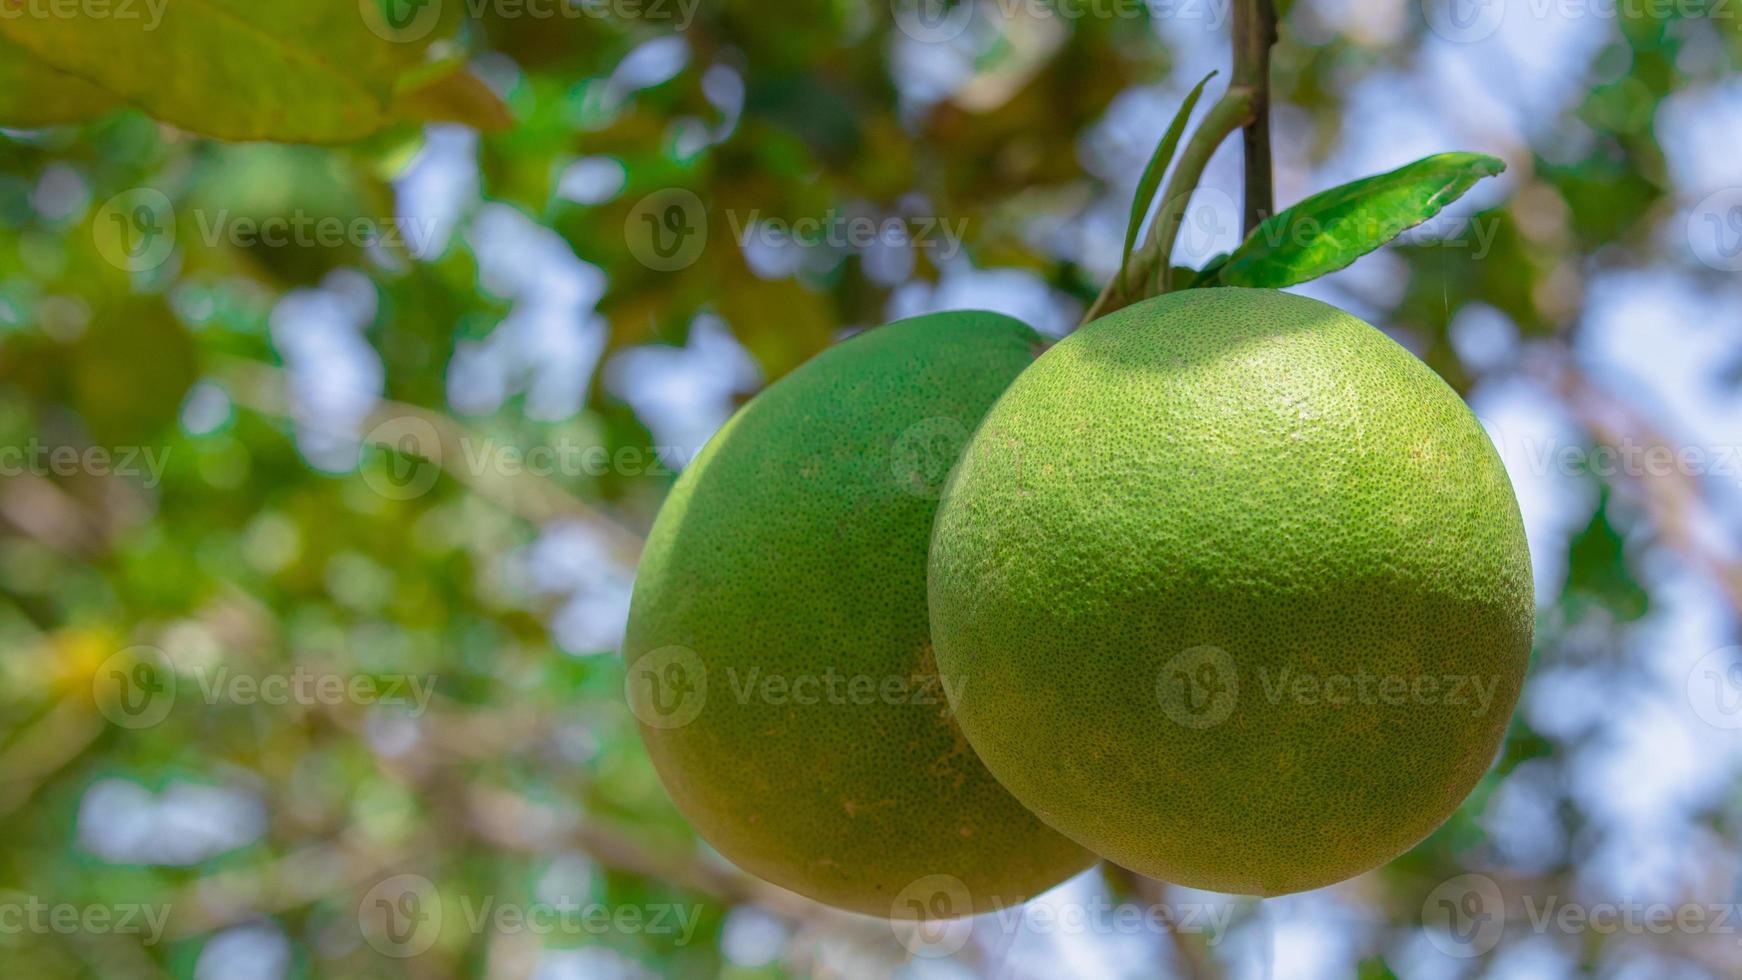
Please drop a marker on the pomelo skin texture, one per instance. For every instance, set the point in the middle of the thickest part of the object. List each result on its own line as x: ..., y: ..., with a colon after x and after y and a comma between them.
x: 1240, y: 590
x: 778, y: 649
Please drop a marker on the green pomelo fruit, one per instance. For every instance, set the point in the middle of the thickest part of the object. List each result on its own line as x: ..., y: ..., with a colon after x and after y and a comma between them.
x: 779, y: 655
x: 1238, y: 592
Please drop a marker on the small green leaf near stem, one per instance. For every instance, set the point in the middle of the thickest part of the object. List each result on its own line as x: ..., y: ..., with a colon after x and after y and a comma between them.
x: 1150, y: 182
x: 1232, y: 111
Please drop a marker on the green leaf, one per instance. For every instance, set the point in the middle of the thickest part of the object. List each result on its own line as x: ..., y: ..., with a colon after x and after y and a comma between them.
x: 1207, y: 275
x: 286, y: 70
x: 1150, y: 183
x: 33, y: 94
x: 1333, y: 228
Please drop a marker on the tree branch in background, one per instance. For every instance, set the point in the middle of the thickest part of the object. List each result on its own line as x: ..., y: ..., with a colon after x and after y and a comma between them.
x: 1675, y: 499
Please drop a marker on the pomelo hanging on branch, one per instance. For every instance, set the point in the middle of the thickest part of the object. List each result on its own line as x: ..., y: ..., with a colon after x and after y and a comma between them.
x: 779, y: 653
x: 1240, y: 588
x: 1228, y: 587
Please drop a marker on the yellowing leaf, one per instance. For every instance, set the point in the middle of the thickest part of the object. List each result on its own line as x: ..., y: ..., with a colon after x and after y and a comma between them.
x: 288, y: 70
x: 33, y: 94
x: 460, y: 97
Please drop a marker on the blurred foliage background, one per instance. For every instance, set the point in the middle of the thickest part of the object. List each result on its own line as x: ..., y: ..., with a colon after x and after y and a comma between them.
x: 386, y: 414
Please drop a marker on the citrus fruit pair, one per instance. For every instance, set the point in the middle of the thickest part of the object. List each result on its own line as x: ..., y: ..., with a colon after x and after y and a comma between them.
x: 1227, y: 588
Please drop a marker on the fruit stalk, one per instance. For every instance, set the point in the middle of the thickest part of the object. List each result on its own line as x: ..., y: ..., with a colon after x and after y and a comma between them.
x: 1232, y: 112
x: 1150, y: 265
x: 1244, y: 107
x: 1254, y: 34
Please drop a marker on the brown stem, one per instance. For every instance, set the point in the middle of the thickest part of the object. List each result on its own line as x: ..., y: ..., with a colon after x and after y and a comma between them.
x: 1246, y: 107
x: 1254, y: 34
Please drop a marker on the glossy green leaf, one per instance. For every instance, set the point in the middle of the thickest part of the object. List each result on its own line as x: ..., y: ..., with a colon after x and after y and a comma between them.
x: 1205, y: 276
x: 1375, y: 968
x: 1333, y: 228
x: 33, y: 94
x: 289, y: 70
x: 1150, y: 183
